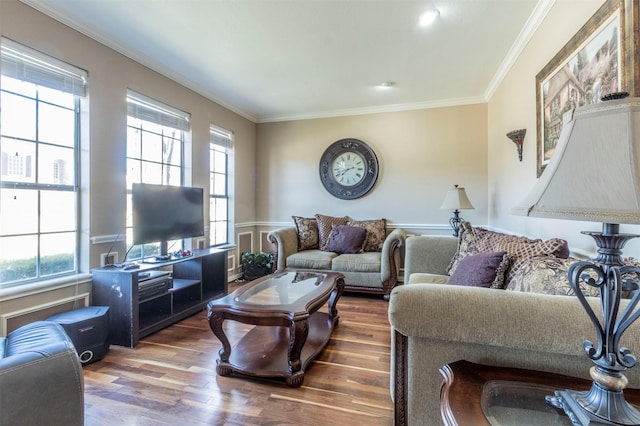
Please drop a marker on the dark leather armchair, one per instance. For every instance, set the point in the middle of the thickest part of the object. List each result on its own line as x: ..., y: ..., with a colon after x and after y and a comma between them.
x: 41, y: 380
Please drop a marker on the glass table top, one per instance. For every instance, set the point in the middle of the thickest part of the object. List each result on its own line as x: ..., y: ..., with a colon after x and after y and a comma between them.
x: 282, y: 289
x: 516, y: 403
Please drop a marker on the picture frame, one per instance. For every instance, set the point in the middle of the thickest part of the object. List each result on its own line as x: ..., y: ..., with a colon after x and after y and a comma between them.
x: 599, y: 59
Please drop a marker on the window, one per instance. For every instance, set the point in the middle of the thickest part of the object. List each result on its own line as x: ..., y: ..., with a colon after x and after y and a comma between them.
x: 156, y: 136
x: 39, y: 146
x: 219, y: 153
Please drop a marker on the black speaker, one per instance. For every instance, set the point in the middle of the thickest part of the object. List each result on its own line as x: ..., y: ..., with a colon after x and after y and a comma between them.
x: 88, y: 328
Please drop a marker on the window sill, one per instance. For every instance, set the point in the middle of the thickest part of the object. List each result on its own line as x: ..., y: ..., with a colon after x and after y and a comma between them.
x: 23, y: 290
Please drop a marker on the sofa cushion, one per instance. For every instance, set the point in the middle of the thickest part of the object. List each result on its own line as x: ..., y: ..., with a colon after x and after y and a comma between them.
x: 307, y: 228
x: 482, y: 270
x: 311, y: 259
x: 346, y: 239
x: 362, y: 262
x: 325, y: 224
x: 427, y: 278
x: 376, y: 233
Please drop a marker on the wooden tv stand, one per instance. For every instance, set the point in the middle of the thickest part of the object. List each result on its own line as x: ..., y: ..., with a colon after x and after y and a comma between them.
x: 192, y: 282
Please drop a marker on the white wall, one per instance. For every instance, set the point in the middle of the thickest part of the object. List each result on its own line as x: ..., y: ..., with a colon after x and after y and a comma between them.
x: 422, y: 153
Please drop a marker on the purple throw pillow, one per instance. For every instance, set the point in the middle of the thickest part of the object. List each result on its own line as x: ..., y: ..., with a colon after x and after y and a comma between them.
x: 346, y: 239
x: 479, y: 270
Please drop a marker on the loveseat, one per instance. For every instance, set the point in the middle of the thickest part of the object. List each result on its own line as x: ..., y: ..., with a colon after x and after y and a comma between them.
x: 370, y: 260
x: 520, y: 324
x: 41, y: 380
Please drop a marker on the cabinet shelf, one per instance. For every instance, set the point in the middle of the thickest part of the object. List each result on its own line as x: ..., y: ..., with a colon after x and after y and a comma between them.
x: 195, y: 280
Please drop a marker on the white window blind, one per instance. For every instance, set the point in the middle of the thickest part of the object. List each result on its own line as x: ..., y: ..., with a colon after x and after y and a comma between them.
x: 148, y: 109
x: 221, y: 138
x: 26, y: 64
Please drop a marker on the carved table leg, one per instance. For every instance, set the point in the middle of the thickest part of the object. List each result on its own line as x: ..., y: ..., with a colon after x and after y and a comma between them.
x: 215, y: 322
x: 336, y: 294
x: 298, y: 332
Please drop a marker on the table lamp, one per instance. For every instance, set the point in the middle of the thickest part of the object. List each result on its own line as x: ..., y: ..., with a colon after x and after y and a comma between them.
x: 456, y: 199
x: 594, y: 175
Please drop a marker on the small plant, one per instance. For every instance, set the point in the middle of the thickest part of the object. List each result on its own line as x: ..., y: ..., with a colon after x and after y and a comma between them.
x: 256, y: 265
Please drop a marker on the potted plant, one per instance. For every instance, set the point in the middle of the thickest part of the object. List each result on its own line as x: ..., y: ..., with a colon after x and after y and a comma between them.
x: 256, y: 265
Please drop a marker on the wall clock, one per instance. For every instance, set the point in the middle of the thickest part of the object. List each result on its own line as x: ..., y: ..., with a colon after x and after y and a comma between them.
x: 348, y: 169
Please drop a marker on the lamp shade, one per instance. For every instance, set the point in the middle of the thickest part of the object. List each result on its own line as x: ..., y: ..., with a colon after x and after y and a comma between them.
x: 456, y: 199
x: 594, y: 173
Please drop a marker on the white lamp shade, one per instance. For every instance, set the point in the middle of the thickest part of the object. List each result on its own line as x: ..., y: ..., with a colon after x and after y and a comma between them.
x: 456, y: 199
x: 594, y: 174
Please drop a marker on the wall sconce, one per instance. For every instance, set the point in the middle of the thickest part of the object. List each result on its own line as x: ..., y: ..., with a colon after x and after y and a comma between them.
x: 517, y: 136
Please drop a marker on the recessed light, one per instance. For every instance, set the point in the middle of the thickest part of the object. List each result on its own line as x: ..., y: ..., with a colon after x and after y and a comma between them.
x: 387, y: 84
x: 429, y: 17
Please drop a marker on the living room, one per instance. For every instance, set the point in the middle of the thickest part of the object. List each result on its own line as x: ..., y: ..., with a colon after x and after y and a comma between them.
x: 422, y: 152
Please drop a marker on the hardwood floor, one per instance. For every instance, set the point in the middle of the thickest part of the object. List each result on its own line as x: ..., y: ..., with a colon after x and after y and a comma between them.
x: 170, y: 378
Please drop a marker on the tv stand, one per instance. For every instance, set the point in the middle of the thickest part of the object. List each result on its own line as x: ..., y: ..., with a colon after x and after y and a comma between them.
x: 191, y: 282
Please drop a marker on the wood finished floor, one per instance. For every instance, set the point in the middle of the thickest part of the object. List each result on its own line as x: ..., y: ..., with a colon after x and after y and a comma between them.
x: 170, y: 378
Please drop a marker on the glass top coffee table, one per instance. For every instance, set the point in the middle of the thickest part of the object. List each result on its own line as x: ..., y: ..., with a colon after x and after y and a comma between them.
x: 475, y: 394
x: 291, y: 331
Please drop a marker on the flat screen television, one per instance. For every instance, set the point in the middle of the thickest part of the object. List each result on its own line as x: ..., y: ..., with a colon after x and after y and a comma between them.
x: 163, y: 213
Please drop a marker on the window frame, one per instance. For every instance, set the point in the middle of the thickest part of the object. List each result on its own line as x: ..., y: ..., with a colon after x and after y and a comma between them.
x: 44, y: 73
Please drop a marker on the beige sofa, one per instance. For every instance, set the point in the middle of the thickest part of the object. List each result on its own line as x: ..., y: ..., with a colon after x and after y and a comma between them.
x: 366, y: 272
x: 433, y: 324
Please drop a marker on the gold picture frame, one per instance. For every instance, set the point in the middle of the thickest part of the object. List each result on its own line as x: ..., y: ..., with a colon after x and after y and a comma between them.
x: 599, y: 59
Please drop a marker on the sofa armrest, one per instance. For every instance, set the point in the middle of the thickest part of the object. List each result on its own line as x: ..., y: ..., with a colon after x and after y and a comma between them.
x: 286, y: 242
x: 41, y: 379
x: 429, y: 254
x: 508, y: 319
x: 391, y: 258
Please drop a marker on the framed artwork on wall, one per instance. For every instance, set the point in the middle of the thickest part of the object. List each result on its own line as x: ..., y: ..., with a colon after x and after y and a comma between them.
x: 599, y: 59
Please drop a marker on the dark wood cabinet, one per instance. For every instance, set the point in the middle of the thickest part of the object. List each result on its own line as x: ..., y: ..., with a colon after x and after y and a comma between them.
x: 147, y: 299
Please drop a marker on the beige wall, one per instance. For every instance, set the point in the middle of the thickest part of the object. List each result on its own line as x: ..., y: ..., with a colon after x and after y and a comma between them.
x: 104, y: 139
x: 513, y: 107
x: 421, y: 154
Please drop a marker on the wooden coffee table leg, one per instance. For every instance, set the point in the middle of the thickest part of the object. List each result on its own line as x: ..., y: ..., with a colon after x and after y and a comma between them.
x: 215, y: 322
x: 336, y: 294
x: 298, y: 332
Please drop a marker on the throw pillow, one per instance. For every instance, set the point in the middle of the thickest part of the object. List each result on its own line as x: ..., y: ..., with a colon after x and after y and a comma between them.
x: 548, y: 275
x: 325, y: 224
x: 482, y: 270
x: 376, y: 233
x: 307, y: 228
x: 465, y: 246
x: 346, y: 239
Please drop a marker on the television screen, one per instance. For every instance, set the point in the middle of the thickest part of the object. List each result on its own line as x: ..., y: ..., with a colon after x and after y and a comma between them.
x: 162, y: 213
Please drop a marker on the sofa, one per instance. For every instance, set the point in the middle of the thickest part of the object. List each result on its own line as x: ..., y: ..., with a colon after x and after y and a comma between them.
x: 41, y: 380
x: 364, y: 251
x: 531, y: 320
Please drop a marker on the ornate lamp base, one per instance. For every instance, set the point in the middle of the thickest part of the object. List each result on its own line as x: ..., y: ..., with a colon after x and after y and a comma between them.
x: 601, y: 404
x: 604, y: 403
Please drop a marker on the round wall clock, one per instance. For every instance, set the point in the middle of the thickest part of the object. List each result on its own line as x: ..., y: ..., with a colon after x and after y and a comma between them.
x: 348, y: 169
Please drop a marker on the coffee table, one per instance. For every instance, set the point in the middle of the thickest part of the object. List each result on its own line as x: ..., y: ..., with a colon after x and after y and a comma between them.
x: 475, y: 394
x: 290, y: 330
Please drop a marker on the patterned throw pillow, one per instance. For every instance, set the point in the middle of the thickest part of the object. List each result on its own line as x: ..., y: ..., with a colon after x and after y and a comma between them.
x: 376, y: 233
x: 482, y: 270
x: 325, y: 224
x: 548, y: 275
x: 307, y: 228
x: 346, y: 239
x: 479, y: 240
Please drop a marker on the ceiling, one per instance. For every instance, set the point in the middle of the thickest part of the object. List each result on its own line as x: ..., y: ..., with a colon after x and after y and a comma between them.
x: 274, y: 60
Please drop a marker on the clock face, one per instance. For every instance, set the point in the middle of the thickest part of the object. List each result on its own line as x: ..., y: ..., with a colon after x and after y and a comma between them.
x: 348, y: 169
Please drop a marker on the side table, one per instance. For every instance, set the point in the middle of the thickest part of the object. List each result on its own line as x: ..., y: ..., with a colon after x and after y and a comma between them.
x: 475, y: 394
